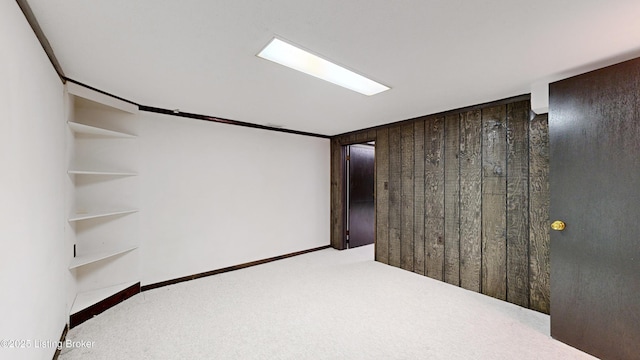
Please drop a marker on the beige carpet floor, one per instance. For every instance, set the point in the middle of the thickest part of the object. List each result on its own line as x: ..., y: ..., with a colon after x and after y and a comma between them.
x: 323, y: 305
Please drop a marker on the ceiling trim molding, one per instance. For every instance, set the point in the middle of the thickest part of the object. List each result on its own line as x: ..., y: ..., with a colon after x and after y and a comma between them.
x: 227, y: 121
x: 46, y: 46
x: 197, y: 116
x: 178, y: 113
x: 440, y: 114
x: 100, y: 91
x: 37, y: 30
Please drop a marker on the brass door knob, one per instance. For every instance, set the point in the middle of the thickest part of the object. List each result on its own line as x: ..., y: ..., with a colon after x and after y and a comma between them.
x: 558, y: 225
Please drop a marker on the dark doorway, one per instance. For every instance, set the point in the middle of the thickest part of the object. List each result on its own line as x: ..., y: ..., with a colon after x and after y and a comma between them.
x: 360, y: 194
x: 594, y: 128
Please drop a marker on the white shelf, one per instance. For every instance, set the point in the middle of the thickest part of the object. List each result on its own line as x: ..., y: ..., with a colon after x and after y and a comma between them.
x: 101, y: 172
x: 88, y: 298
x: 93, y: 215
x: 91, y: 258
x: 100, y: 98
x: 99, y: 158
x: 92, y: 130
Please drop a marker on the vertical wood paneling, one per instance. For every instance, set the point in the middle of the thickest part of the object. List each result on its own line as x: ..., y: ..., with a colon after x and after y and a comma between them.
x: 382, y: 196
x: 452, y: 199
x: 407, y: 197
x: 337, y: 213
x: 539, y: 214
x: 470, y: 199
x: 372, y: 135
x: 494, y: 196
x: 434, y: 197
x: 395, y: 188
x: 462, y: 198
x: 518, y: 203
x: 418, y: 188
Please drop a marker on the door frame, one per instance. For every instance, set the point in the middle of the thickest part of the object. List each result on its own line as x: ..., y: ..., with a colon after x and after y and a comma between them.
x: 346, y: 192
x: 338, y: 186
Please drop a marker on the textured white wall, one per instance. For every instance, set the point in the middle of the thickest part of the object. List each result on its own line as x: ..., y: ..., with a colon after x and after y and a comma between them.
x: 215, y: 195
x: 33, y: 274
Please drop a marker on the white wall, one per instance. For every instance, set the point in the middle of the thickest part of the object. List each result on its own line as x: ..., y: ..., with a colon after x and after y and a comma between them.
x: 211, y: 195
x: 33, y: 292
x: 214, y: 195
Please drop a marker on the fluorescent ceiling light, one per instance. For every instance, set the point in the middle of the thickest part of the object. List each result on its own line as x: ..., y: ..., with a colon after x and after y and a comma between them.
x: 288, y: 55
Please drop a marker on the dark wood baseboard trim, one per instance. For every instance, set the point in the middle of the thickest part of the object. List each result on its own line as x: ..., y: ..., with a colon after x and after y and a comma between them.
x: 63, y: 338
x: 95, y: 309
x: 226, y: 121
x: 230, y: 268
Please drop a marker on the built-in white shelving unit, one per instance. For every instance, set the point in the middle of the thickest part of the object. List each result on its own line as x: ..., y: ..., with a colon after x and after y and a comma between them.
x: 103, y: 196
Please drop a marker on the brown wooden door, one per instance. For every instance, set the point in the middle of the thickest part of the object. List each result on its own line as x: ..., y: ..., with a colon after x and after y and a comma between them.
x: 594, y: 128
x: 361, y: 195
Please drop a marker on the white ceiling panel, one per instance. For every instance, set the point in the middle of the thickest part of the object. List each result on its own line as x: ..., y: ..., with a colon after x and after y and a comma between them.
x: 199, y: 56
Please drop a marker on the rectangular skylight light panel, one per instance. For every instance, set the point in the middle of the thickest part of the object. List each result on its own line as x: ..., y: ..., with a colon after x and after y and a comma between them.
x: 290, y: 56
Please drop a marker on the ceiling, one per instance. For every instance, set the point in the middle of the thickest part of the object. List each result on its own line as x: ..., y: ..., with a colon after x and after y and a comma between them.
x: 199, y: 56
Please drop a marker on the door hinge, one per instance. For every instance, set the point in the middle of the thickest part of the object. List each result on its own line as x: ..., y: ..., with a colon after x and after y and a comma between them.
x: 347, y: 232
x: 348, y: 157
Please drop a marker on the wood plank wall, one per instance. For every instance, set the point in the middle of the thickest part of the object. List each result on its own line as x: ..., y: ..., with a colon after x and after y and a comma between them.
x: 462, y: 197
